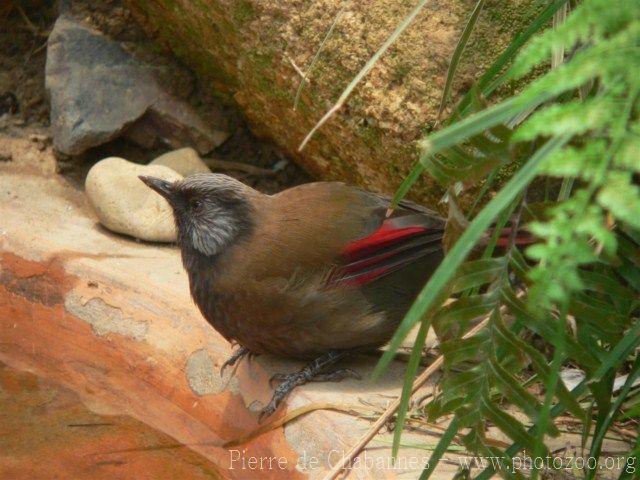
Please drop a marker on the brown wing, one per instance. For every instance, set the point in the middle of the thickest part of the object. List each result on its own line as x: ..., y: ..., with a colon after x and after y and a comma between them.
x: 276, y: 298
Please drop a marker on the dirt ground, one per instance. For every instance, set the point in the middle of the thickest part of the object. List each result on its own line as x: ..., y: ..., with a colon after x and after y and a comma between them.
x: 24, y: 106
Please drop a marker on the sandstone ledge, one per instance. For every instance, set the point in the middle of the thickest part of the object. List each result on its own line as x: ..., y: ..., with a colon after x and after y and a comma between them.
x: 110, y: 319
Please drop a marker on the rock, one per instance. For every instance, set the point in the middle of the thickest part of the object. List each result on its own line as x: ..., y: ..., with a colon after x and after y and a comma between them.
x: 164, y: 376
x: 168, y: 122
x: 248, y: 52
x: 125, y: 205
x: 98, y: 91
x: 185, y: 161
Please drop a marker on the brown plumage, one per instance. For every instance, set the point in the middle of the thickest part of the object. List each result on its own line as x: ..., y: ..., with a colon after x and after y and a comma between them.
x: 312, y: 272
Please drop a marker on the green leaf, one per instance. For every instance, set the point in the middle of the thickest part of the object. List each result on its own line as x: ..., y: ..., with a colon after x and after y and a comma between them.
x: 587, y: 21
x: 477, y: 273
x: 596, y: 444
x: 460, y: 312
x: 613, y: 359
x: 477, y: 123
x: 457, y: 54
x: 571, y: 118
x: 576, y: 162
x: 505, y: 337
x: 506, y: 423
x: 434, y: 288
x: 517, y: 395
x: 407, y: 388
x: 542, y: 425
x: 488, y: 81
x: 605, y: 285
x: 632, y: 465
x: 445, y: 440
x: 622, y: 198
x: 460, y: 350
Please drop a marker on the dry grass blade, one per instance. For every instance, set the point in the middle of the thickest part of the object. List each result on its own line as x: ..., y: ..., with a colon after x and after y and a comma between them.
x: 366, y: 69
x: 391, y: 410
x: 305, y: 76
x: 457, y: 54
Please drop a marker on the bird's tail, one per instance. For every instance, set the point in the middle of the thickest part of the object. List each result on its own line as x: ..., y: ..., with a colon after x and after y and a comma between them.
x: 402, y: 241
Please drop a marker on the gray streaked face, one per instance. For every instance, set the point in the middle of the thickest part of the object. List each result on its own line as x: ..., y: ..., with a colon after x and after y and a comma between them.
x: 210, y: 210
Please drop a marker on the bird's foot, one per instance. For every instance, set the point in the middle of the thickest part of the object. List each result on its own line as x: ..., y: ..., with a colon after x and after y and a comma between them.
x: 335, y: 376
x: 312, y: 372
x: 238, y: 355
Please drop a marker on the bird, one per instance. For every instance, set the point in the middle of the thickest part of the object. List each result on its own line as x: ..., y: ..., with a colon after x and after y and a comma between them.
x: 315, y: 272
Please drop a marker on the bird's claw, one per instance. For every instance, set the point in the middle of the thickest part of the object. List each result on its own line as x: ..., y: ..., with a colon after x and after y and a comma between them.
x: 289, y: 382
x: 337, y: 375
x: 277, y: 377
x: 311, y: 373
x: 267, y: 411
x: 234, y: 358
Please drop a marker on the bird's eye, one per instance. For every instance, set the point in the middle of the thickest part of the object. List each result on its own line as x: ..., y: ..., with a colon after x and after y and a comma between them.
x: 196, y: 204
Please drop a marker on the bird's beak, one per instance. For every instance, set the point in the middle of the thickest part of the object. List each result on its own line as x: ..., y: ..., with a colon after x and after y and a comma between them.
x: 163, y: 187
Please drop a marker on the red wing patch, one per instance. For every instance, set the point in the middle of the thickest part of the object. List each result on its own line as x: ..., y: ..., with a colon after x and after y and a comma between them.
x: 383, y: 237
x: 397, y: 243
x: 384, y: 251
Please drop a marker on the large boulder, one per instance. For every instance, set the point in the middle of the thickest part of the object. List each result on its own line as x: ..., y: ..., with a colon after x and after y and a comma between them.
x: 99, y: 91
x: 250, y: 51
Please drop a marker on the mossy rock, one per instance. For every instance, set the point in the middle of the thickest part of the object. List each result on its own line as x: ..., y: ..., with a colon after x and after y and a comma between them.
x: 248, y: 51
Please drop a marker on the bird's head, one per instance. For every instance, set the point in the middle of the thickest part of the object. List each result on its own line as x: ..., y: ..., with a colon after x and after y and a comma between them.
x: 211, y: 210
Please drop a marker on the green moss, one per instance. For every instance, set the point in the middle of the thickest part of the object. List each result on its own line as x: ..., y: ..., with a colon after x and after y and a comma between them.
x: 304, y: 108
x: 393, y: 170
x: 262, y: 76
x: 243, y: 11
x: 269, y: 87
x: 278, y: 93
x: 169, y: 5
x: 261, y: 61
x: 355, y: 101
x: 370, y: 134
x: 401, y: 70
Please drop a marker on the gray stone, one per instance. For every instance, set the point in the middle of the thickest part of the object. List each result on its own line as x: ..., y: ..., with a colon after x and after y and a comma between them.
x: 124, y: 204
x: 98, y: 91
x: 104, y: 318
x: 204, y: 377
x: 185, y: 161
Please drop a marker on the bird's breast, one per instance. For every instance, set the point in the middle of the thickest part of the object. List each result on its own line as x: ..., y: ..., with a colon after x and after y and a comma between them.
x: 212, y: 303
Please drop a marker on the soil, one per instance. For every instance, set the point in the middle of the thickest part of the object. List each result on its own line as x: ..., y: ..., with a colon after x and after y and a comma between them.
x: 23, y: 38
x: 24, y: 107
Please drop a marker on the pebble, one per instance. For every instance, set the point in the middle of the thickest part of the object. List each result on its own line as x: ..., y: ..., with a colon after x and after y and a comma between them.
x: 124, y: 204
x: 185, y: 161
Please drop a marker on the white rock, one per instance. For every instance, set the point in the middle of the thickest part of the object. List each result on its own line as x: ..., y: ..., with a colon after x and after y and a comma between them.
x: 126, y: 205
x: 185, y: 161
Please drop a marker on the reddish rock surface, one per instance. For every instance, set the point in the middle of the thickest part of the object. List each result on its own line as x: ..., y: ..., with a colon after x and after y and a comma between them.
x: 47, y: 432
x: 123, y: 375
x: 106, y: 323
